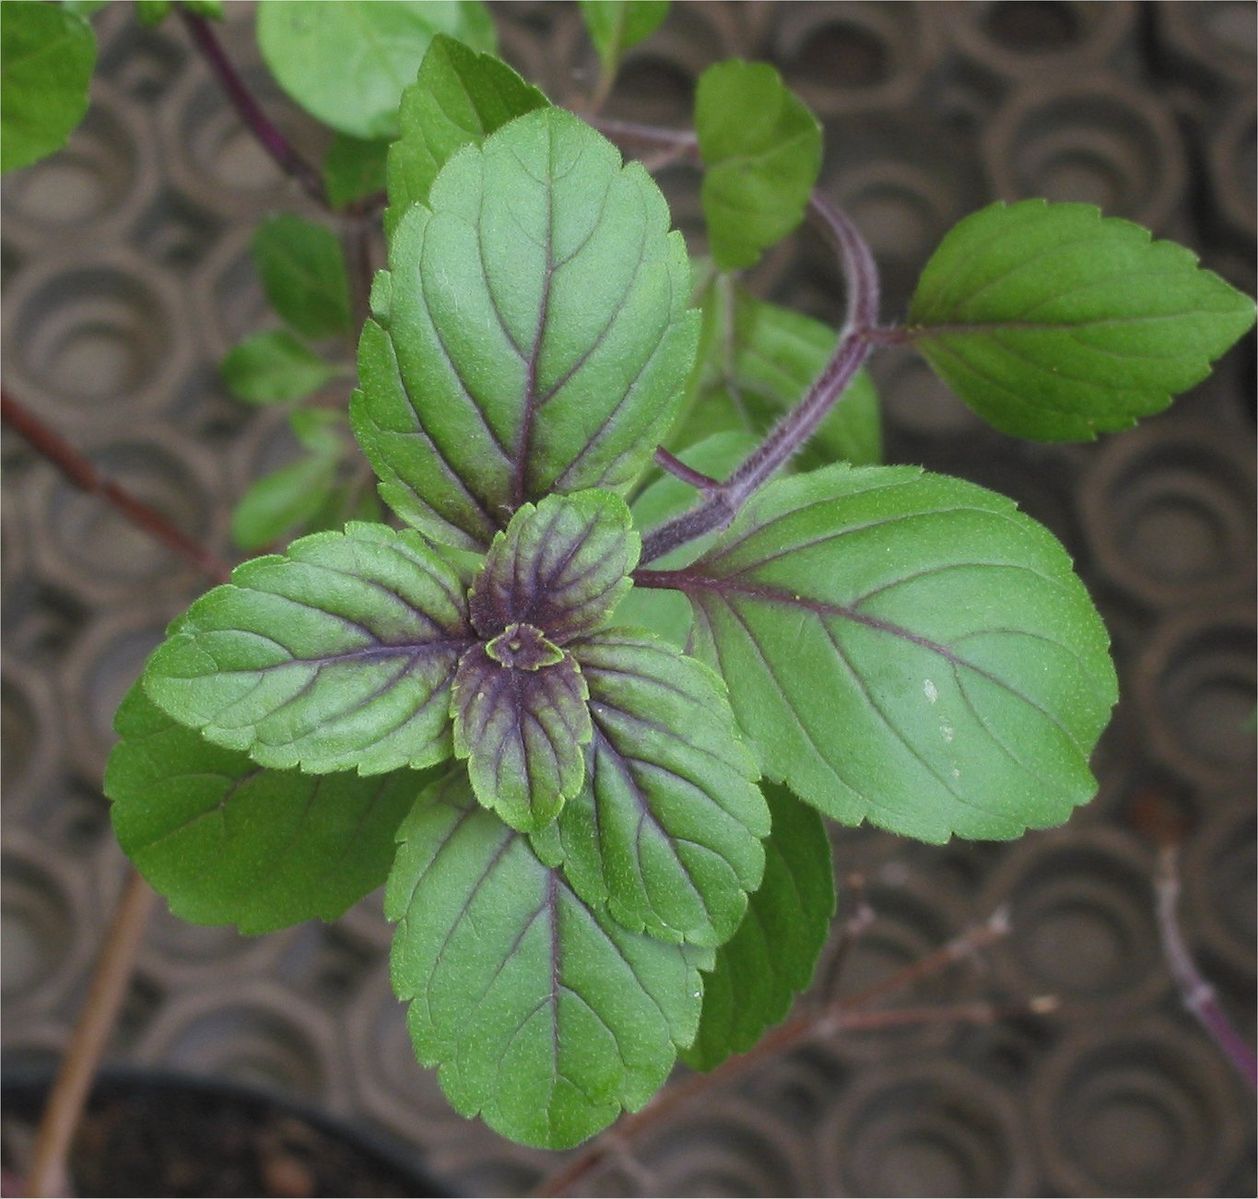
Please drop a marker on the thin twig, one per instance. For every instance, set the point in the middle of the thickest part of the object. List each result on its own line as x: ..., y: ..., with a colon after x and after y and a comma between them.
x: 267, y: 133
x: 1196, y: 993
x: 79, y: 471
x: 801, y: 1028
x: 105, y: 995
x: 854, y: 927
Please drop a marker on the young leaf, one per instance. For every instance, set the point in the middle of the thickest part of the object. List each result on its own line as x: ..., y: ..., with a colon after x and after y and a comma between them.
x: 274, y: 368
x: 561, y: 566
x: 615, y: 26
x: 354, y: 168
x: 282, y: 501
x: 459, y: 98
x: 520, y: 719
x: 773, y: 954
x: 46, y: 59
x: 1055, y: 323
x: 756, y: 360
x: 153, y: 12
x: 303, y: 274
x: 546, y: 1017
x: 908, y: 649
x: 347, y: 62
x: 534, y: 335
x: 228, y: 842
x: 762, y: 150
x: 337, y: 655
x: 667, y: 830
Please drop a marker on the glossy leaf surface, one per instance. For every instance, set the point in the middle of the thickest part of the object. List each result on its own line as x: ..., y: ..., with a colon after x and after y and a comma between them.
x: 545, y: 1016
x: 229, y: 842
x: 337, y: 655
x: 532, y: 335
x: 762, y: 151
x: 667, y: 829
x: 907, y: 649
x: 1055, y: 323
x: 772, y: 956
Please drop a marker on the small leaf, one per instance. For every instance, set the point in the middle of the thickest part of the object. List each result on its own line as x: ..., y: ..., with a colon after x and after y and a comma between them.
x: 46, y: 57
x: 540, y: 339
x: 282, y: 501
x: 667, y: 830
x: 615, y: 26
x: 772, y: 956
x: 319, y: 430
x: 762, y: 150
x: 908, y: 649
x: 521, y: 726
x: 274, y: 368
x: 459, y: 98
x: 303, y: 274
x: 346, y: 62
x: 228, y: 842
x: 756, y: 361
x: 354, y: 168
x: 545, y: 1017
x: 337, y: 655
x: 1055, y: 323
x: 153, y: 12
x: 561, y: 566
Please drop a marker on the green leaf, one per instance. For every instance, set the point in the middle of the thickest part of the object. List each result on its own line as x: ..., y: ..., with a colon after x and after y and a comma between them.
x: 303, y: 274
x: 274, y: 368
x: 46, y: 57
x: 319, y: 430
x: 756, y: 361
x: 908, y: 649
x: 459, y: 98
x: 1055, y: 323
x: 615, y: 26
x: 762, y: 150
x: 84, y: 8
x: 772, y: 956
x: 520, y: 719
x: 667, y: 830
x: 546, y: 1017
x: 227, y: 842
x: 561, y: 566
x: 347, y: 62
x: 541, y: 337
x: 337, y: 655
x: 282, y: 501
x: 153, y: 12
x: 354, y: 168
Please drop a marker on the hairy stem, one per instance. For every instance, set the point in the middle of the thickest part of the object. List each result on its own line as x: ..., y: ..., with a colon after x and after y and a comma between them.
x: 105, y: 995
x: 259, y: 124
x: 79, y: 471
x: 840, y: 1014
x: 1196, y: 993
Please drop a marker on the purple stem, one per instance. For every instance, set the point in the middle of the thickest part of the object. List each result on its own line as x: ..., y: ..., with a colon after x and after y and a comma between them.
x: 722, y: 503
x: 687, y: 474
x: 259, y: 124
x: 1197, y: 994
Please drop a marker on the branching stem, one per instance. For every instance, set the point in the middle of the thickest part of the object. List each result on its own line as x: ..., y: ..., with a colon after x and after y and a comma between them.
x: 79, y: 471
x: 676, y: 467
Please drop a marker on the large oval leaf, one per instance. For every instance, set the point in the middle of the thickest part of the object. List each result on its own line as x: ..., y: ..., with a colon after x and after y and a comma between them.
x: 667, y: 829
x: 907, y: 649
x: 337, y: 655
x: 227, y: 841
x: 532, y: 334
x: 1054, y: 323
x: 546, y: 1017
x: 347, y: 62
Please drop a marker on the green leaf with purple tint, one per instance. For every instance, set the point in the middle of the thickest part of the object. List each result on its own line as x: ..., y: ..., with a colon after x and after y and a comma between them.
x: 520, y: 719
x: 532, y: 334
x: 227, y: 841
x: 561, y: 566
x: 772, y: 956
x: 667, y: 829
x: 545, y: 1016
x: 907, y: 649
x: 338, y: 655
